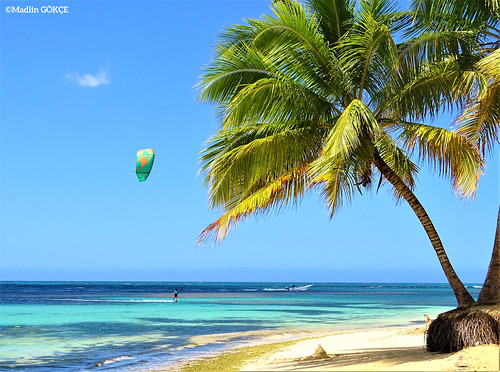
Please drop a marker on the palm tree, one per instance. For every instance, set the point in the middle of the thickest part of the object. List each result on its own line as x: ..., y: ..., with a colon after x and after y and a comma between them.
x: 480, y: 122
x: 478, y: 91
x: 320, y: 96
x: 485, y: 115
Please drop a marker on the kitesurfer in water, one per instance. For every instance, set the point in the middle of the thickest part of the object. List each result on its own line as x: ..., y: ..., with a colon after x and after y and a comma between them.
x: 176, y: 293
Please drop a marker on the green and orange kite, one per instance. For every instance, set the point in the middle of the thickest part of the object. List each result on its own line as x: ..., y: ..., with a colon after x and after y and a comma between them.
x: 145, y: 159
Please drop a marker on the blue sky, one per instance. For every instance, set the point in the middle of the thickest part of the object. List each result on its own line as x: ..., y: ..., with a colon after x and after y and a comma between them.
x: 82, y: 92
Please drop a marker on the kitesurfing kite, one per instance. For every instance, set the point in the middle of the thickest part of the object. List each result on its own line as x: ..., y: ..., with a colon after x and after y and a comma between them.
x: 145, y: 159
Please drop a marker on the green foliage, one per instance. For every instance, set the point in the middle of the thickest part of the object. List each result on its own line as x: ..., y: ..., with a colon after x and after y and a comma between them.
x: 439, y: 15
x: 309, y: 94
x: 476, y: 84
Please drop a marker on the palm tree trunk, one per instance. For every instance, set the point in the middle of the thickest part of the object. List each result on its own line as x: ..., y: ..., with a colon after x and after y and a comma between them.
x: 490, y: 294
x: 462, y: 295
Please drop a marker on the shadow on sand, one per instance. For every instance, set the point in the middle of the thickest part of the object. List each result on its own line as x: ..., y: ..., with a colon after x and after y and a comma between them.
x: 373, y: 358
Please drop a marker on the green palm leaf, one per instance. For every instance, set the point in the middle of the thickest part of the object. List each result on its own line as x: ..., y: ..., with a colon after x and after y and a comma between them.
x: 480, y: 120
x: 398, y: 160
x: 335, y: 17
x: 271, y: 195
x: 422, y: 94
x: 253, y: 158
x: 368, y: 53
x: 451, y: 154
x: 275, y: 101
x: 353, y: 124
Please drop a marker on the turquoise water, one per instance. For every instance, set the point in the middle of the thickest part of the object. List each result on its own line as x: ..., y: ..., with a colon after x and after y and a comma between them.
x: 78, y: 325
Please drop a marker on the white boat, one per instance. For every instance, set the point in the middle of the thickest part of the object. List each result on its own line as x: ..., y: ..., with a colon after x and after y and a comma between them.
x: 301, y: 288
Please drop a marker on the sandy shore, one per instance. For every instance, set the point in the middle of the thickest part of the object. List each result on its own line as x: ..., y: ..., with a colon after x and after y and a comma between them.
x: 397, y: 349
x: 387, y: 349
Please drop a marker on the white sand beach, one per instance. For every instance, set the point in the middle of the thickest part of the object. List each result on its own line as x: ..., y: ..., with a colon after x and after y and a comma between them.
x: 385, y: 349
x: 389, y: 349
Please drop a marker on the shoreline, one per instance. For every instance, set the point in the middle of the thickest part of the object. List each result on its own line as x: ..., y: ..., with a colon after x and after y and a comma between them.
x: 380, y: 349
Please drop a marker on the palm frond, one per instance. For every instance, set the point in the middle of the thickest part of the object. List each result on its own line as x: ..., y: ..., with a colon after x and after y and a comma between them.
x: 335, y: 17
x: 273, y: 101
x: 398, y: 160
x: 338, y: 185
x: 422, y: 95
x: 233, y: 69
x: 437, y: 46
x: 354, y: 124
x: 439, y: 15
x: 291, y: 41
x: 235, y: 161
x: 368, y: 54
x: 449, y: 153
x: 382, y: 11
x: 470, y: 85
x: 480, y: 120
x: 490, y: 65
x: 340, y: 177
x: 290, y: 186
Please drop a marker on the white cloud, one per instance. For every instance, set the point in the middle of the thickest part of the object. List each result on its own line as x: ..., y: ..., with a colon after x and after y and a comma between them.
x: 89, y: 80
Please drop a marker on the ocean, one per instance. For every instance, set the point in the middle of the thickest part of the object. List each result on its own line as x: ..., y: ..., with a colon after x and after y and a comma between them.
x: 84, y: 326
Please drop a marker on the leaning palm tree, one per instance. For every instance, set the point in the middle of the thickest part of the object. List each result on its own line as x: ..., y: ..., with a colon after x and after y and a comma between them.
x: 320, y: 97
x: 480, y: 121
x: 477, y: 88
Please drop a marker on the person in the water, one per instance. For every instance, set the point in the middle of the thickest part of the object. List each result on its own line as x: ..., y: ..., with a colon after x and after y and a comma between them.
x: 176, y: 293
